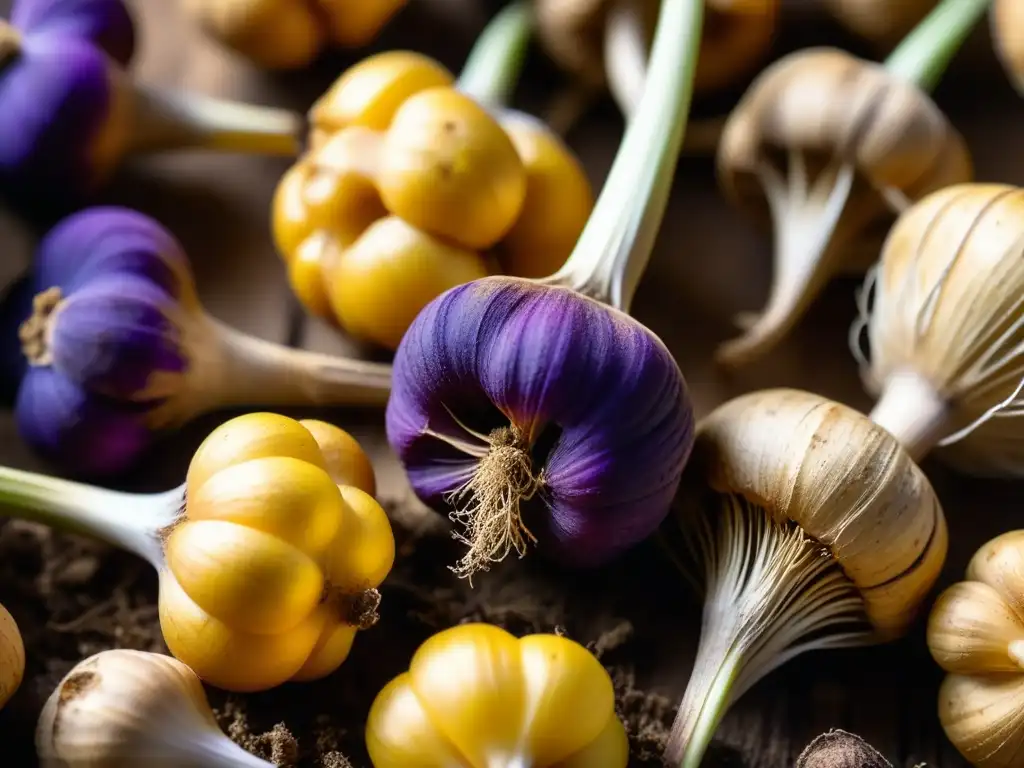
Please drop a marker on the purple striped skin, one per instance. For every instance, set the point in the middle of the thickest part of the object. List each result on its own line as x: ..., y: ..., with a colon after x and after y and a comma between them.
x: 503, y: 350
x: 56, y: 95
x: 123, y: 280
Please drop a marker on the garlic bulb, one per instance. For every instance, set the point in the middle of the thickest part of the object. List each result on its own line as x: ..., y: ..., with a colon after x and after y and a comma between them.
x: 976, y: 633
x: 944, y: 317
x: 476, y: 695
x: 814, y: 529
x: 12, y: 656
x: 121, y: 709
x: 883, y: 22
x: 1007, y: 24
x: 826, y: 146
x: 269, y: 555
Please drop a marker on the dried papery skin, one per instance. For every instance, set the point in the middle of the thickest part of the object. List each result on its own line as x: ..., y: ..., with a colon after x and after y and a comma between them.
x: 1007, y: 23
x: 813, y: 529
x: 289, y: 34
x: 839, y: 749
x: 476, y: 691
x: 825, y: 145
x: 883, y: 22
x: 944, y: 319
x: 737, y: 36
x: 124, y: 707
x: 12, y: 656
x: 119, y: 348
x: 976, y: 633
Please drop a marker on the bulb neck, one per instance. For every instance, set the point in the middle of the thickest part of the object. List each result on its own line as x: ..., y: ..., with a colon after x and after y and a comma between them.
x: 706, y: 702
x: 132, y: 522
x: 495, y: 63
x: 913, y: 412
x: 232, y: 369
x: 153, y: 119
x: 925, y: 54
x: 615, y: 246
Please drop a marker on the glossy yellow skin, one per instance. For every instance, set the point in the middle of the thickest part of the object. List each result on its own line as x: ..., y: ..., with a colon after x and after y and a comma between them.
x: 288, y: 34
x: 559, y: 200
x: 476, y: 696
x: 12, y: 657
x: 269, y: 545
x: 411, y: 188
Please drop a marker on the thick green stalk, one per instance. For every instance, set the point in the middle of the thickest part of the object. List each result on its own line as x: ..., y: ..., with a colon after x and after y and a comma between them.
x: 128, y: 521
x: 924, y: 54
x: 616, y: 244
x: 495, y: 63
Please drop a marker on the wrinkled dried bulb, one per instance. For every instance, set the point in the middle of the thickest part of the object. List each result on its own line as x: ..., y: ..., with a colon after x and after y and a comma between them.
x: 122, y: 709
x: 839, y: 749
x: 12, y: 657
x: 826, y: 146
x: 976, y: 633
x: 943, y: 312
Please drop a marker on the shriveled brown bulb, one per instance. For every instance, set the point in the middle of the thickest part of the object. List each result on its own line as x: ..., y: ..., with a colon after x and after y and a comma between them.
x: 883, y: 22
x: 1007, y: 24
x: 943, y: 313
x: 827, y: 147
x: 976, y: 633
x: 839, y: 749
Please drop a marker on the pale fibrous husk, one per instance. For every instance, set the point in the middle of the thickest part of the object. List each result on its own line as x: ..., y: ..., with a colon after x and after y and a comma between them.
x: 812, y: 528
x: 943, y: 313
x: 883, y: 22
x: 830, y: 147
x: 976, y: 633
x: 1007, y: 24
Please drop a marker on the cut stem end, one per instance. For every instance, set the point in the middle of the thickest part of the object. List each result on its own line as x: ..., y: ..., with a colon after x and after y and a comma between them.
x: 360, y: 610
x: 492, y: 518
x: 34, y: 333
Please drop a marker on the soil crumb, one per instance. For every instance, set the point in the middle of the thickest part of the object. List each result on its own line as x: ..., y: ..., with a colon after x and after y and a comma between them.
x: 72, y: 598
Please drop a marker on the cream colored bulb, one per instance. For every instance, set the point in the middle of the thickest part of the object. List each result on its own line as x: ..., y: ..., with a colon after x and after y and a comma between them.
x: 124, y: 709
x: 976, y: 633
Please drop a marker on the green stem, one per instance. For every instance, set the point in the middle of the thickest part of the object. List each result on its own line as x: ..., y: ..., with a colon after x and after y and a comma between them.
x: 494, y: 65
x: 695, y: 727
x: 616, y: 244
x: 924, y: 54
x: 128, y: 521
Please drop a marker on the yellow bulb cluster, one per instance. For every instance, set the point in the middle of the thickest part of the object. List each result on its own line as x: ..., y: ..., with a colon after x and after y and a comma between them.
x: 288, y: 34
x: 274, y: 566
x: 477, y: 696
x: 410, y: 188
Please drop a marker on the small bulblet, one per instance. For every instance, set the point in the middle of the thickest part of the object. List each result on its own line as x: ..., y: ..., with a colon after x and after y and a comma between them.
x: 274, y: 567
x: 58, y: 93
x: 477, y: 696
x: 882, y: 22
x: 538, y: 413
x: 124, y: 708
x: 411, y: 188
x: 976, y: 633
x: 289, y: 34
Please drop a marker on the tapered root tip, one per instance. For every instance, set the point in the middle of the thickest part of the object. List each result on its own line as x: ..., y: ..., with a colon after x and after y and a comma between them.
x: 759, y: 337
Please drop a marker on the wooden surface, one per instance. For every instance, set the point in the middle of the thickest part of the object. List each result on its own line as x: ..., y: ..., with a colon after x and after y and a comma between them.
x: 709, y: 264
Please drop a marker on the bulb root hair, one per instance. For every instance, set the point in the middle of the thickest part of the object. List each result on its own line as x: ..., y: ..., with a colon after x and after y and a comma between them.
x: 488, y: 504
x: 771, y: 593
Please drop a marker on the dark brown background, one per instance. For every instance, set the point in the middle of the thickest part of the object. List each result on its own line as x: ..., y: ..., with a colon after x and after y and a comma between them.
x: 709, y: 264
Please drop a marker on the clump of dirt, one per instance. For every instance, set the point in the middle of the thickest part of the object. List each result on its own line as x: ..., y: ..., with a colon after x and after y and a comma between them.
x: 72, y: 597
